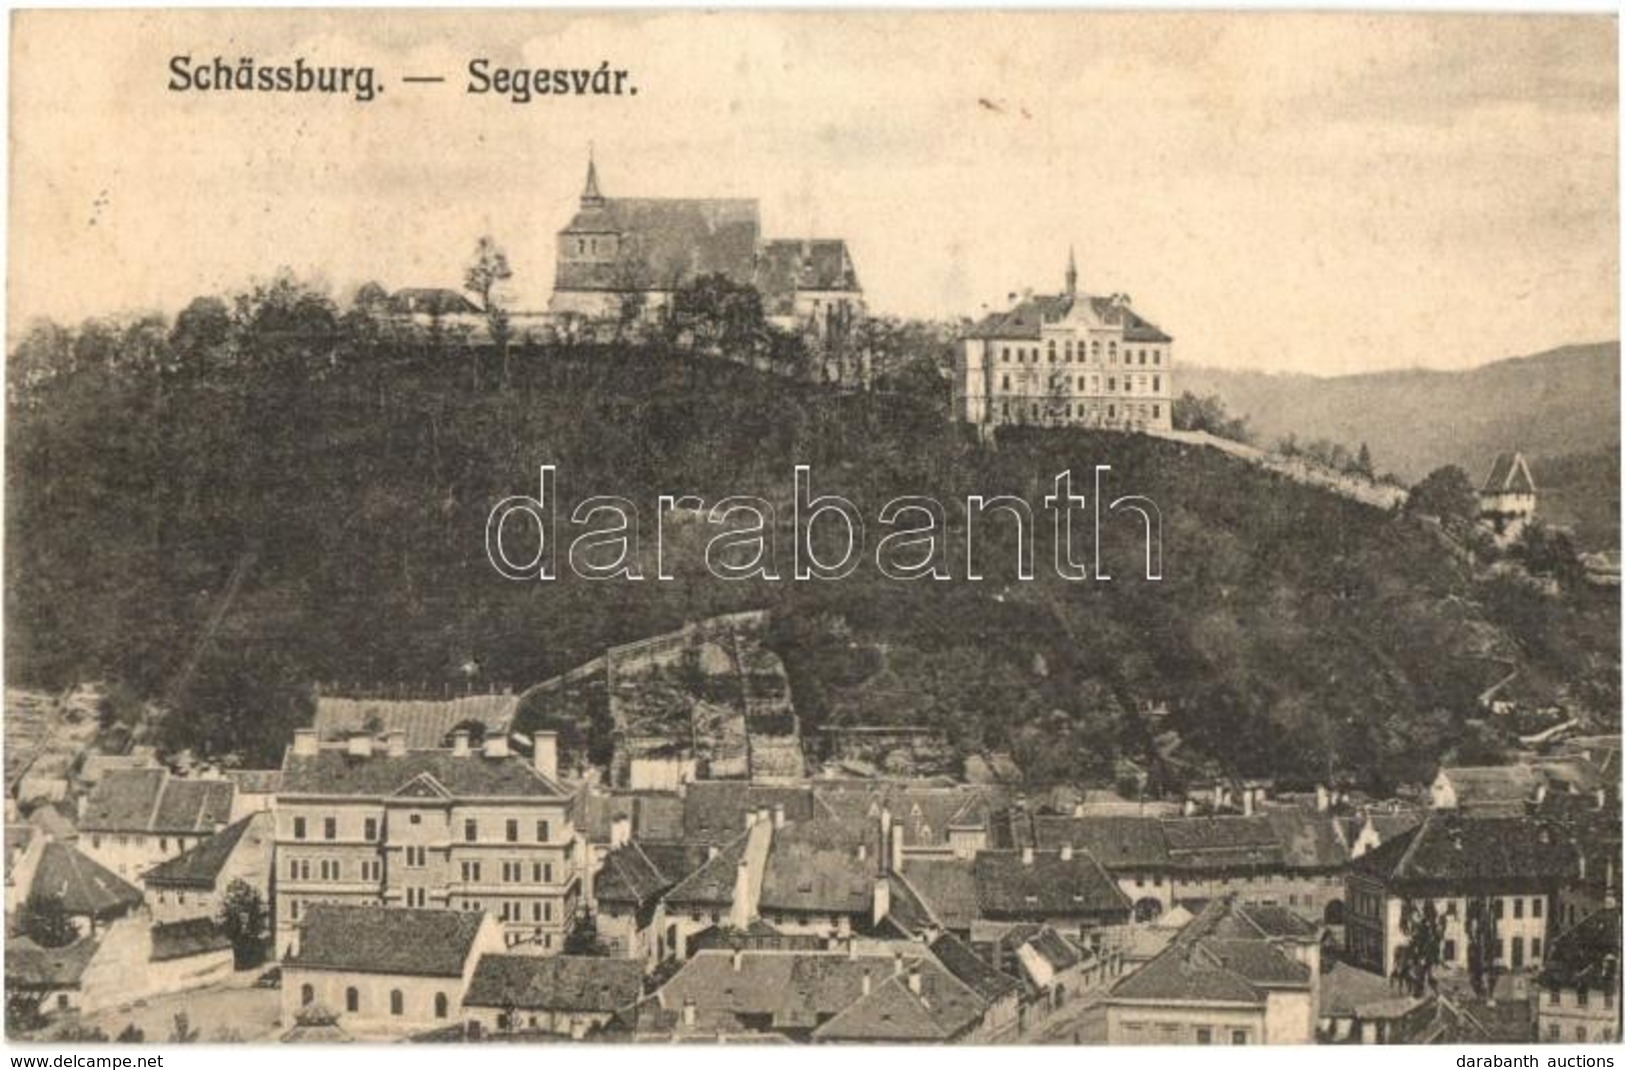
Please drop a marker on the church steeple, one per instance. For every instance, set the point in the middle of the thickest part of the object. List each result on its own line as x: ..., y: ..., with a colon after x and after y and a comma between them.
x: 1071, y: 272
x: 590, y: 197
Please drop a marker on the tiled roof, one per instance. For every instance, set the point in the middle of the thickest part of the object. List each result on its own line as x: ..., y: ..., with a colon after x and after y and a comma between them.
x: 667, y: 241
x: 821, y: 874
x: 150, y: 800
x: 1449, y: 848
x: 558, y: 983
x: 182, y: 939
x: 636, y: 874
x: 1309, y: 840
x: 426, y: 723
x: 28, y: 965
x: 200, y: 866
x: 714, y: 810
x: 947, y: 887
x: 255, y: 781
x: 1274, y: 921
x: 1115, y: 842
x: 1509, y: 474
x: 712, y: 884
x: 796, y: 990
x: 429, y: 299
x: 1184, y: 974
x: 1026, y: 319
x: 1586, y: 955
x: 1055, y: 949
x: 1491, y: 784
x: 1347, y: 991
x: 386, y: 940
x: 893, y: 1012
x: 1211, y: 960
x: 87, y: 888
x: 784, y: 267
x: 654, y: 815
x: 1009, y: 886
x: 965, y: 964
x: 330, y: 771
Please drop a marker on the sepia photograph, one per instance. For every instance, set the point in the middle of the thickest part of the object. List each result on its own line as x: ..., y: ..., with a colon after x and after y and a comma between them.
x: 975, y: 527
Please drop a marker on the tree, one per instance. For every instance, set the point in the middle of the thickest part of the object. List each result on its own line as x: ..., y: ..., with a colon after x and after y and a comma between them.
x: 132, y: 1034
x: 1208, y: 413
x: 1362, y: 463
x: 44, y: 919
x: 244, y: 918
x: 181, y: 1032
x: 371, y: 298
x: 720, y: 314
x: 1423, y: 950
x: 1482, y: 938
x: 488, y: 271
x: 1446, y: 493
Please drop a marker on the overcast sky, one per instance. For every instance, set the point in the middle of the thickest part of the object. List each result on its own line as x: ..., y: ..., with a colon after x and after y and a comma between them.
x: 1321, y: 193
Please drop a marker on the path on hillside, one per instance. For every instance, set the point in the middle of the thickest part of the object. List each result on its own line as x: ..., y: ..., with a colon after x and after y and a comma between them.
x: 1374, y: 494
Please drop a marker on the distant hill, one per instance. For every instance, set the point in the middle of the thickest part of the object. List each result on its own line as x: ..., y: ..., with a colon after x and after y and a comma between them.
x: 1564, y: 401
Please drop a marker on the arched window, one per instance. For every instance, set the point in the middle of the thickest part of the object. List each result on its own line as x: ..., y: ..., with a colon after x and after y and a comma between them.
x: 307, y: 995
x: 352, y: 1000
x: 1080, y: 382
x: 397, y: 1002
x: 1052, y: 351
x: 1069, y: 351
x: 440, y: 1005
x: 1094, y: 349
x: 1111, y: 352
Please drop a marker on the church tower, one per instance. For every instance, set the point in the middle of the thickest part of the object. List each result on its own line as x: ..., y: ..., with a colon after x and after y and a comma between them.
x: 590, y: 197
x: 1071, y: 272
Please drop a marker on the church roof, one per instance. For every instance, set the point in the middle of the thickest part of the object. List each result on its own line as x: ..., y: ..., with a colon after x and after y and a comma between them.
x: 784, y: 267
x: 1509, y: 475
x: 665, y: 241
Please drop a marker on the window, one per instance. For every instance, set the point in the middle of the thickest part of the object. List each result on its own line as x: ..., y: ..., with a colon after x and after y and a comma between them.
x: 370, y: 828
x: 416, y: 857
x: 298, y: 828
x: 1238, y: 1036
x: 1004, y: 386
x: 372, y: 870
x: 1500, y: 908
x: 163, y: 844
x: 471, y: 872
x: 1156, y: 412
x: 330, y: 828
x: 307, y: 995
x: 547, y: 873
x: 439, y: 1004
x: 1517, y: 907
x: 547, y: 911
x: 471, y: 830
x: 1517, y: 952
x: 1553, y: 1032
x: 1156, y: 384
x: 1536, y: 905
x: 397, y: 1002
x: 543, y: 832
x: 352, y: 1000
x: 417, y: 897
x: 536, y: 912
x: 416, y: 819
x: 1450, y: 951
x: 1608, y: 998
x: 1581, y: 998
x: 1534, y: 947
x: 1204, y: 1035
x: 1580, y: 1034
x: 1111, y: 384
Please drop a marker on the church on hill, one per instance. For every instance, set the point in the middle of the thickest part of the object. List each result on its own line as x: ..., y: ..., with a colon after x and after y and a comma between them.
x: 620, y: 256
x: 1070, y: 358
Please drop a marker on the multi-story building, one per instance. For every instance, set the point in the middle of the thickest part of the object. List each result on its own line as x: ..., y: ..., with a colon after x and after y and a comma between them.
x: 1506, y: 501
x: 1509, y: 867
x: 476, y: 829
x: 137, y: 818
x: 1068, y: 359
x: 1580, y: 997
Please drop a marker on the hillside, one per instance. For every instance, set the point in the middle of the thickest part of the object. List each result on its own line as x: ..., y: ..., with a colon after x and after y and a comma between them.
x: 266, y: 506
x: 1565, y: 401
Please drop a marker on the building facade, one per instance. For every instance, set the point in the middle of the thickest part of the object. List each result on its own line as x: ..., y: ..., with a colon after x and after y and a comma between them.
x: 1070, y: 359
x: 471, y: 829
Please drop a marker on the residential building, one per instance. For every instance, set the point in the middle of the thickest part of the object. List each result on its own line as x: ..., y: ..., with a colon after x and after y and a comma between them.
x: 1509, y: 867
x: 136, y: 818
x: 462, y: 828
x: 91, y: 894
x: 566, y: 995
x: 1221, y: 981
x: 193, y: 884
x: 1579, y: 999
x: 1071, y: 359
x: 386, y: 970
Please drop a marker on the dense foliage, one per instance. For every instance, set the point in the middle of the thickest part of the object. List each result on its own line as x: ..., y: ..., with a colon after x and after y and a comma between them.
x: 273, y: 492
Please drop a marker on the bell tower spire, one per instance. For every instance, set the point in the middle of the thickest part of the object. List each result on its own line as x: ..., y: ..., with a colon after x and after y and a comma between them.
x: 1071, y: 272
x: 590, y: 197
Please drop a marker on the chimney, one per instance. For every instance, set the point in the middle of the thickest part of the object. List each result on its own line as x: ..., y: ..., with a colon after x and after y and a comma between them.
x: 688, y: 1011
x: 863, y: 852
x: 897, y: 963
x: 778, y: 815
x: 851, y: 949
x: 914, y: 981
x: 359, y: 746
x: 1323, y: 798
x: 395, y: 743
x: 304, y: 742
x: 897, y: 848
x: 1077, y: 808
x: 868, y: 983
x: 1247, y: 795
x: 1602, y: 798
x: 1026, y: 856
x: 738, y: 959
x: 1066, y: 852
x: 1189, y: 809
x: 882, y: 899
x: 620, y: 831
x: 496, y: 745
x: 740, y: 918
x: 750, y: 818
x: 459, y: 743
x: 544, y: 753
x: 710, y: 851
